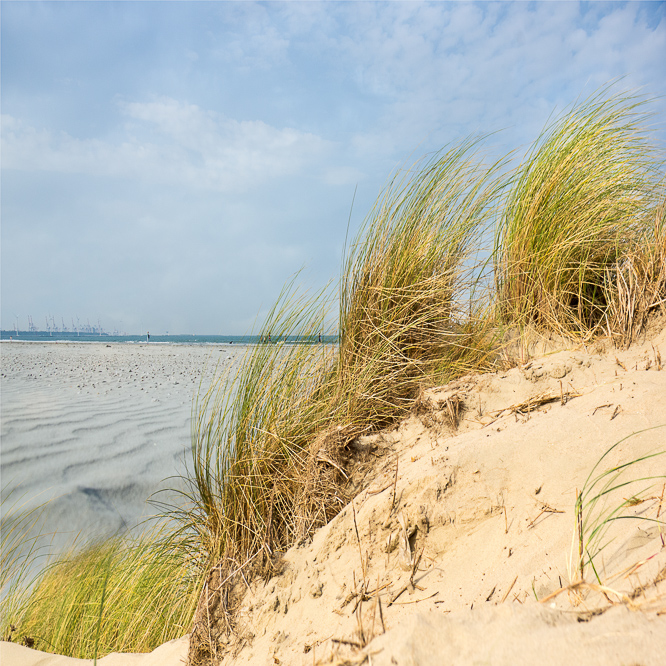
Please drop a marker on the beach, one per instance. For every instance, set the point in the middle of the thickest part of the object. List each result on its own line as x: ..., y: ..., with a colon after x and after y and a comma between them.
x: 95, y: 429
x: 460, y: 543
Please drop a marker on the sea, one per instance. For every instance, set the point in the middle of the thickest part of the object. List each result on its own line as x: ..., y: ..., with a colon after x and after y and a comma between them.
x: 186, y: 339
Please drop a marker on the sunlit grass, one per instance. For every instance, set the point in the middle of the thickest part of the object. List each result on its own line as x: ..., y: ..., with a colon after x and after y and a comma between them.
x: 402, y: 320
x: 120, y: 594
x: 579, y: 204
x: 23, y: 546
x: 271, y: 457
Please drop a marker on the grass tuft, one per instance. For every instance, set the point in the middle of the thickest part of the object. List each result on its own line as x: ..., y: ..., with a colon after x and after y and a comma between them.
x: 610, y: 496
x: 579, y: 205
x: 402, y: 318
x: 114, y: 595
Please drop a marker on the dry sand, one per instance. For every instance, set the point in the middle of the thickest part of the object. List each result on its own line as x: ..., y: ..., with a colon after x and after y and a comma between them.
x: 477, y: 523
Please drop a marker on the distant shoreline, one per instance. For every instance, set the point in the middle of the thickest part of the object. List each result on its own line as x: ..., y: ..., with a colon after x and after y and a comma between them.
x: 187, y: 339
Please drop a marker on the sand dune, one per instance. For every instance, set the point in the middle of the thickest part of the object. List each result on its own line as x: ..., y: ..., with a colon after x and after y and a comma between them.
x: 480, y: 525
x: 467, y: 532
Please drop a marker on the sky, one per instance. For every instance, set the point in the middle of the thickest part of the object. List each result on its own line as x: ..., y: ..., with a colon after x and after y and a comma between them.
x: 169, y: 166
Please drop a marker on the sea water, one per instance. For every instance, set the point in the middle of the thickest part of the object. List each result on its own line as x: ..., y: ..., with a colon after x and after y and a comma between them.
x: 183, y: 339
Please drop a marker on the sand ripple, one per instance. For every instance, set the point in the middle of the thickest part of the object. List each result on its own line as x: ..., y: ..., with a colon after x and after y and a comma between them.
x: 97, y: 428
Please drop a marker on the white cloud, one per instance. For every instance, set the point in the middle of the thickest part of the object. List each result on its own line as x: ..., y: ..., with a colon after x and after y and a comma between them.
x: 256, y: 44
x: 170, y: 142
x: 441, y: 70
x: 234, y: 163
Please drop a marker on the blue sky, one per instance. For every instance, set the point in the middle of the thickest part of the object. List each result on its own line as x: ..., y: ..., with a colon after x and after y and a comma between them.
x: 169, y: 165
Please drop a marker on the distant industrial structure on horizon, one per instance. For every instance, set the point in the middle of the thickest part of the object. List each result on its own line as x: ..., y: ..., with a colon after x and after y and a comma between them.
x: 77, y: 328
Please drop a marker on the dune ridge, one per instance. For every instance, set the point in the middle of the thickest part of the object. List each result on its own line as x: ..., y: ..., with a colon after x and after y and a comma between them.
x: 476, y: 525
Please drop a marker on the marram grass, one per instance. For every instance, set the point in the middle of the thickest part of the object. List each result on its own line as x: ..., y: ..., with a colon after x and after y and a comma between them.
x: 611, y: 496
x: 401, y: 320
x: 250, y: 435
x: 123, y: 594
x: 271, y: 457
x: 578, y: 205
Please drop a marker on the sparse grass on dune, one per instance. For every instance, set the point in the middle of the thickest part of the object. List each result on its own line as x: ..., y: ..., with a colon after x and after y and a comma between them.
x: 612, y: 495
x: 578, y: 205
x: 121, y: 594
x: 621, y: 490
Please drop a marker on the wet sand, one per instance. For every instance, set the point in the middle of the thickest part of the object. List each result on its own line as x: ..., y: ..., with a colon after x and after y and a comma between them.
x: 97, y: 428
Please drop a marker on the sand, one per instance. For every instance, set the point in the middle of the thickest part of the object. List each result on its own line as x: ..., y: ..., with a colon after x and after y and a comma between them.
x: 466, y: 535
x: 96, y: 428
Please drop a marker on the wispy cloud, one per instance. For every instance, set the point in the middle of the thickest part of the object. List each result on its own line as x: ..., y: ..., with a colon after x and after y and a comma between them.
x: 170, y: 142
x: 184, y: 145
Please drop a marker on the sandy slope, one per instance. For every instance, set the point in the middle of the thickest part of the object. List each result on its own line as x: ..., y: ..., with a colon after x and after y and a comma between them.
x: 455, y: 548
x: 489, y: 509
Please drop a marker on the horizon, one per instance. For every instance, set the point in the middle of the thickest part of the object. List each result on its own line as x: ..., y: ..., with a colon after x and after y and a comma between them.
x: 170, y: 166
x: 7, y: 334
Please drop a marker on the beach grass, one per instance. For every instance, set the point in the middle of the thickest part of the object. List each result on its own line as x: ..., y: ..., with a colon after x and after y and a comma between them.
x: 613, y: 495
x: 130, y: 593
x: 271, y: 457
x: 23, y: 552
x: 404, y: 316
x: 251, y: 432
x: 638, y: 281
x: 580, y: 204
x: 579, y: 249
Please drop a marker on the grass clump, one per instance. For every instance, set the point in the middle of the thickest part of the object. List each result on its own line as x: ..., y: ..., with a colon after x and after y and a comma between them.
x: 250, y: 434
x: 251, y: 431
x: 638, y: 281
x: 272, y: 456
x: 402, y: 321
x: 580, y: 204
x: 114, y: 595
